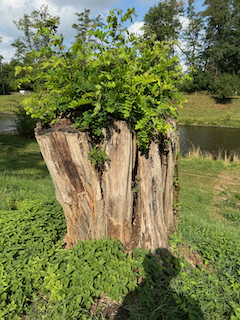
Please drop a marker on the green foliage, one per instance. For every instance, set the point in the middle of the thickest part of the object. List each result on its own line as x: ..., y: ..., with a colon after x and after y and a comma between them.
x: 98, y: 157
x: 191, y: 35
x: 33, y: 263
x: 115, y: 77
x: 29, y: 24
x: 200, y: 81
x: 164, y: 20
x: 25, y: 124
x: 30, y: 233
x: 85, y: 23
x: 225, y: 85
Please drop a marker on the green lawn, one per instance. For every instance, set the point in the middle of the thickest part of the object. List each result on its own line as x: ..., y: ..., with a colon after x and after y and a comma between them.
x: 205, y: 109
x: 41, y: 280
x: 9, y: 103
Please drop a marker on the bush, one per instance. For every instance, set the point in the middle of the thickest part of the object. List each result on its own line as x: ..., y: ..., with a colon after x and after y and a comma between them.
x: 25, y: 124
x: 225, y: 85
x: 200, y: 82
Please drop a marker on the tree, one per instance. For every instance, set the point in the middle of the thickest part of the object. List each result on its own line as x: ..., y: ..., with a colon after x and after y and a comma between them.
x: 1, y: 71
x: 85, y: 24
x: 29, y: 25
x: 107, y: 134
x: 33, y: 40
x: 218, y: 32
x: 164, y: 20
x: 191, y: 36
x: 20, y: 48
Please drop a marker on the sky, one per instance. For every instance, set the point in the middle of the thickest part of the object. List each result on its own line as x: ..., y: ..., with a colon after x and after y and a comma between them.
x: 15, y: 9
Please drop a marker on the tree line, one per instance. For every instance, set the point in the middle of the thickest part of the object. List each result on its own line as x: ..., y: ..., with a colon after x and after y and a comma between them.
x: 208, y: 42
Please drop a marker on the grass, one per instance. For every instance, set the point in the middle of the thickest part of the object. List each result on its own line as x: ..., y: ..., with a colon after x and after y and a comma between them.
x: 199, y: 279
x: 207, y: 110
x: 9, y: 103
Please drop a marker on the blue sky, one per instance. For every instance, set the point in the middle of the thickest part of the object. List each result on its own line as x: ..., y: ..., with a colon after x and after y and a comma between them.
x: 15, y: 9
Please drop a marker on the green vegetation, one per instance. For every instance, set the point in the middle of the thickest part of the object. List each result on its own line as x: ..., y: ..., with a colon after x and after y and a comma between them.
x: 116, y: 77
x: 207, y: 226
x: 205, y: 109
x: 41, y: 280
x: 9, y: 104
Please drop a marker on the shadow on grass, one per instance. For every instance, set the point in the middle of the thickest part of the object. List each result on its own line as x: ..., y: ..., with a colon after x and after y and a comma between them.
x: 154, y: 298
x: 223, y: 100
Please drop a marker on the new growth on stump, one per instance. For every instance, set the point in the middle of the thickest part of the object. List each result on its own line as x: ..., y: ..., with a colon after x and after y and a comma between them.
x: 108, y: 133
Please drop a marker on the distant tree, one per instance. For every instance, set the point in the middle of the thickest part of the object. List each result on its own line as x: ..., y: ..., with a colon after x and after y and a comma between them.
x: 84, y: 24
x: 218, y: 28
x: 34, y: 39
x: 20, y: 48
x: 233, y: 61
x: 191, y: 36
x: 164, y: 20
x: 1, y: 71
x: 29, y: 25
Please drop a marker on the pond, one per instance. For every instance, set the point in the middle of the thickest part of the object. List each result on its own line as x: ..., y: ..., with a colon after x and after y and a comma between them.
x: 211, y: 139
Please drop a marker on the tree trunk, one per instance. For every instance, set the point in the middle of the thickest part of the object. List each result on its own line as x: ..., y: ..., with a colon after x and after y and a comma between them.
x: 132, y: 199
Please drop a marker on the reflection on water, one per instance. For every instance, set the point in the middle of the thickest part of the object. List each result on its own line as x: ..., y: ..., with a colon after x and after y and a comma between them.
x: 7, y: 123
x: 211, y: 139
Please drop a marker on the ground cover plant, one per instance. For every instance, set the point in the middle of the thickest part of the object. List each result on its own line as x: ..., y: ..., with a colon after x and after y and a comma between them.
x: 205, y: 109
x: 199, y: 279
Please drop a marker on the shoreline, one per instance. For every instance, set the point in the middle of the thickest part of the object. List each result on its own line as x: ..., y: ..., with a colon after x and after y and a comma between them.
x: 206, y: 125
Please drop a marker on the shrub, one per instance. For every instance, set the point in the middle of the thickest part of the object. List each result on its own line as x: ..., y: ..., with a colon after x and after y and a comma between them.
x: 25, y: 124
x: 200, y: 81
x: 225, y: 85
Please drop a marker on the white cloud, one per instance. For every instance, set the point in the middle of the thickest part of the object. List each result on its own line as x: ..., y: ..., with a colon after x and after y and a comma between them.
x: 184, y: 66
x: 184, y: 21
x: 135, y: 28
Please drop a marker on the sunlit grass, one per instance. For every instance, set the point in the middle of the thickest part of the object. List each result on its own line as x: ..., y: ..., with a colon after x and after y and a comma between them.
x: 9, y: 103
x: 204, y: 109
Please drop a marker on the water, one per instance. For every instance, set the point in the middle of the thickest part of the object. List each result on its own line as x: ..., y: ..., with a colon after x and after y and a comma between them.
x: 7, y: 123
x: 211, y: 139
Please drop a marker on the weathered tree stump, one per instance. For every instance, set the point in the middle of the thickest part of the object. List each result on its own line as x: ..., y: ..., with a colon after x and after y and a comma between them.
x: 132, y: 199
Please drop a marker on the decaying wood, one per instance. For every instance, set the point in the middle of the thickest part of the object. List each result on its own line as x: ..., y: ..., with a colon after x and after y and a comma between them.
x: 132, y: 199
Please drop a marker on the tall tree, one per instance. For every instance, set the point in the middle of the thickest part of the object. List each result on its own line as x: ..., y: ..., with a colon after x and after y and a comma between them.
x: 192, y: 36
x: 85, y: 23
x: 218, y: 32
x: 234, y: 41
x: 1, y: 72
x: 164, y: 20
x: 20, y: 49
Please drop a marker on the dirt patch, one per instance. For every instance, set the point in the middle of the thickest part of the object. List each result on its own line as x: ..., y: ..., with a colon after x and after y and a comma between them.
x: 111, y: 310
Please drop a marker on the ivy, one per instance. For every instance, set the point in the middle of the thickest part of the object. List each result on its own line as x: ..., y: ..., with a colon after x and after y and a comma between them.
x: 116, y: 76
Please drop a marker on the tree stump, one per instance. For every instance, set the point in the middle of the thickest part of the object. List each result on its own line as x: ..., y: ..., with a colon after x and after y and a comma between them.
x: 132, y: 199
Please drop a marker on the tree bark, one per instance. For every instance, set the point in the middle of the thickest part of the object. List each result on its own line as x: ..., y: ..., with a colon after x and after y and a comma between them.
x: 132, y: 199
